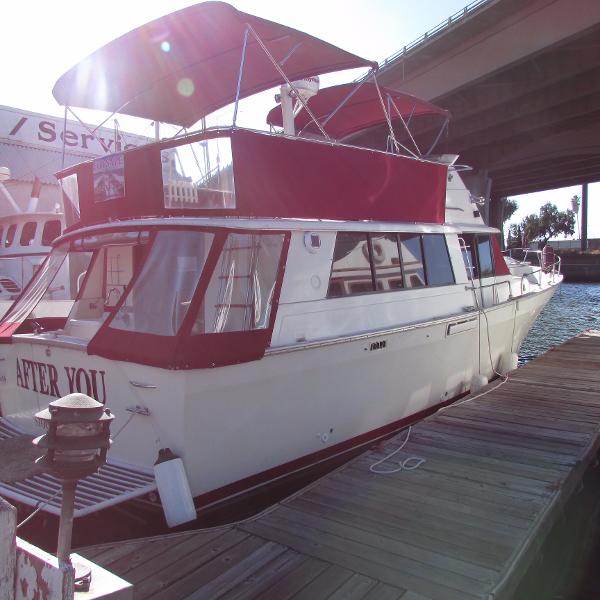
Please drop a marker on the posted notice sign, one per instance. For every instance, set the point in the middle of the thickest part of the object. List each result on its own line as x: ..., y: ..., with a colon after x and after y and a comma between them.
x: 109, y: 178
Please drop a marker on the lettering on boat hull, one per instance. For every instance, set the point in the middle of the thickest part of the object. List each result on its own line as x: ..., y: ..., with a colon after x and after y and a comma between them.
x: 46, y: 379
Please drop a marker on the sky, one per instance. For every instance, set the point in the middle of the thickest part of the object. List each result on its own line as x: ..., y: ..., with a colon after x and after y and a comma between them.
x: 40, y: 40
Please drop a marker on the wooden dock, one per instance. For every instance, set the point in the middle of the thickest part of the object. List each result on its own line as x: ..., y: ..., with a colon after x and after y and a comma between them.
x: 466, y: 524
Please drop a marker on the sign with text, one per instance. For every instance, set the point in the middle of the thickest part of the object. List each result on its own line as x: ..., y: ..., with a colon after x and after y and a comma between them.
x: 109, y: 178
x: 45, y: 131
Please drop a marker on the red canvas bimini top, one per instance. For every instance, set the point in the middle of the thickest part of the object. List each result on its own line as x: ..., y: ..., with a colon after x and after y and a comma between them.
x: 351, y: 107
x: 185, y: 65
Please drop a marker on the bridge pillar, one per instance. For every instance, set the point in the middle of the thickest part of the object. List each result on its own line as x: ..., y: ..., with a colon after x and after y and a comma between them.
x: 584, y: 217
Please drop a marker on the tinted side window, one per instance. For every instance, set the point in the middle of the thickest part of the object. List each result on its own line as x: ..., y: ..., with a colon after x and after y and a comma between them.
x: 10, y: 235
x: 351, y: 269
x: 386, y: 261
x: 484, y: 253
x: 412, y: 260
x: 28, y: 233
x: 50, y: 232
x: 437, y: 260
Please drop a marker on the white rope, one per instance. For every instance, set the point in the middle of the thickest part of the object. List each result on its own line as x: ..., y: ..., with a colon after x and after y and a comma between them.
x: 404, y: 465
x: 39, y: 507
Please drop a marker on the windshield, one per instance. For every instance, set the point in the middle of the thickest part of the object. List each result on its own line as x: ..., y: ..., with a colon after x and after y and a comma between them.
x: 147, y: 282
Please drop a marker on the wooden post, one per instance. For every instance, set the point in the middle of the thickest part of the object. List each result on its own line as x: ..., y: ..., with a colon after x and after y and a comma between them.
x: 584, y: 216
x: 65, y: 527
x: 8, y: 549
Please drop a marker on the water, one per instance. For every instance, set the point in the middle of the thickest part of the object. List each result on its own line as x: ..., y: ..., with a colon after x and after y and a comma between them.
x: 573, y: 308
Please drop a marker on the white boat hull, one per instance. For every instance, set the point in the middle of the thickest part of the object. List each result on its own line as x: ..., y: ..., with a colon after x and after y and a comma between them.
x: 239, y: 426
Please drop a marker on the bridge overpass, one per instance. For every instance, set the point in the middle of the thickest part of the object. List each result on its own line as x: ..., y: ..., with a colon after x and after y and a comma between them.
x: 522, y: 81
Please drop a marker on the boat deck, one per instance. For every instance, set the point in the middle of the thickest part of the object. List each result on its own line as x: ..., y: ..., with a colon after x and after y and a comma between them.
x: 466, y: 524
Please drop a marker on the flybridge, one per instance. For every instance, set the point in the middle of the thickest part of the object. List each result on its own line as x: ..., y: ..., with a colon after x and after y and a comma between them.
x: 258, y: 175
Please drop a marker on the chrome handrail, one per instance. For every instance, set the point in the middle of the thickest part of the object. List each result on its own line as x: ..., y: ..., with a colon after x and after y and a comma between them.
x: 490, y: 285
x: 553, y: 269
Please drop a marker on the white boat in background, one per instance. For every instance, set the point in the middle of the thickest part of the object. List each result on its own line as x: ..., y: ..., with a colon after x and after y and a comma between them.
x: 260, y: 302
x: 25, y: 241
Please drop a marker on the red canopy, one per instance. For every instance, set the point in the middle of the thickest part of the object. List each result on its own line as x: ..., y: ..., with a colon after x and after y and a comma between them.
x: 185, y: 65
x: 362, y: 110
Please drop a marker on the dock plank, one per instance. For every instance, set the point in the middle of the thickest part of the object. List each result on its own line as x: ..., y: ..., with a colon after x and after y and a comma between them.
x: 466, y: 524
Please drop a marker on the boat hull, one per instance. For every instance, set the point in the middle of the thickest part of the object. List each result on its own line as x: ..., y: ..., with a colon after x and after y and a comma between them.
x: 241, y: 426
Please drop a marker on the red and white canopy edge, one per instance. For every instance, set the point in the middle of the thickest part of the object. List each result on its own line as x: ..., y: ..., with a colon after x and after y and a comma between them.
x: 185, y: 65
x: 343, y: 110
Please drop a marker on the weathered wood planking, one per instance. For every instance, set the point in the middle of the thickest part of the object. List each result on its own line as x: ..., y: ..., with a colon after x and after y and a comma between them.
x: 466, y: 524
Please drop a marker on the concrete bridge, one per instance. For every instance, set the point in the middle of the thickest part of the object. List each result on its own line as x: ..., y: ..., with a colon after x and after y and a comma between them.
x: 522, y: 81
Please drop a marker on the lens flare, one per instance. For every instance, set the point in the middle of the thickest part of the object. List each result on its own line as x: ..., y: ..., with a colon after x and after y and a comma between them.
x: 185, y: 87
x: 165, y: 46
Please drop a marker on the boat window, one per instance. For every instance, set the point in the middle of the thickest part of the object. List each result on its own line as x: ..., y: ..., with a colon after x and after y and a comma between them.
x: 50, y: 232
x: 1, y: 234
x: 351, y: 269
x: 102, y: 283
x: 9, y: 285
x: 10, y: 235
x: 70, y: 189
x: 161, y: 296
x: 386, y: 261
x: 199, y: 175
x: 34, y: 292
x: 437, y: 260
x: 412, y: 260
x: 467, y: 248
x: 28, y: 233
x: 240, y: 293
x: 484, y: 253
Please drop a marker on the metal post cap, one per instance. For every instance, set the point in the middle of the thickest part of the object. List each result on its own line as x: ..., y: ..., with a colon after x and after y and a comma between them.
x: 75, y: 408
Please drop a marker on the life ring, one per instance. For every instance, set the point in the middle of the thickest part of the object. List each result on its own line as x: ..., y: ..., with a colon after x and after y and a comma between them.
x: 378, y: 252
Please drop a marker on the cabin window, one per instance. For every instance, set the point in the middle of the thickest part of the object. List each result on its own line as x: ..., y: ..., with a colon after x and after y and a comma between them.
x: 351, y: 269
x: 437, y: 260
x: 386, y: 261
x: 10, y: 235
x: 28, y: 233
x: 240, y: 292
x: 50, y: 232
x: 161, y: 296
x: 199, y: 175
x: 412, y: 260
x: 70, y: 189
x: 467, y: 248
x: 484, y: 253
x: 102, y: 283
x: 31, y: 296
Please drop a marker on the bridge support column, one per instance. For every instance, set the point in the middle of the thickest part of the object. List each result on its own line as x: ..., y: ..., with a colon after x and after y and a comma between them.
x: 584, y: 217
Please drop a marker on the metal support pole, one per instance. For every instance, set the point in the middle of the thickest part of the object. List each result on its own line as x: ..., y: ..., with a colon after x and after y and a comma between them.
x: 65, y: 527
x: 584, y: 217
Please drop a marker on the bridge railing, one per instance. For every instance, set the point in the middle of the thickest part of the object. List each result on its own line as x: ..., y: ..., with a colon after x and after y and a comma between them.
x: 451, y: 20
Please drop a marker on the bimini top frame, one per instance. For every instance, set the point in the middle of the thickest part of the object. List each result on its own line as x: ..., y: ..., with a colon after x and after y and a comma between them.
x: 184, y: 66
